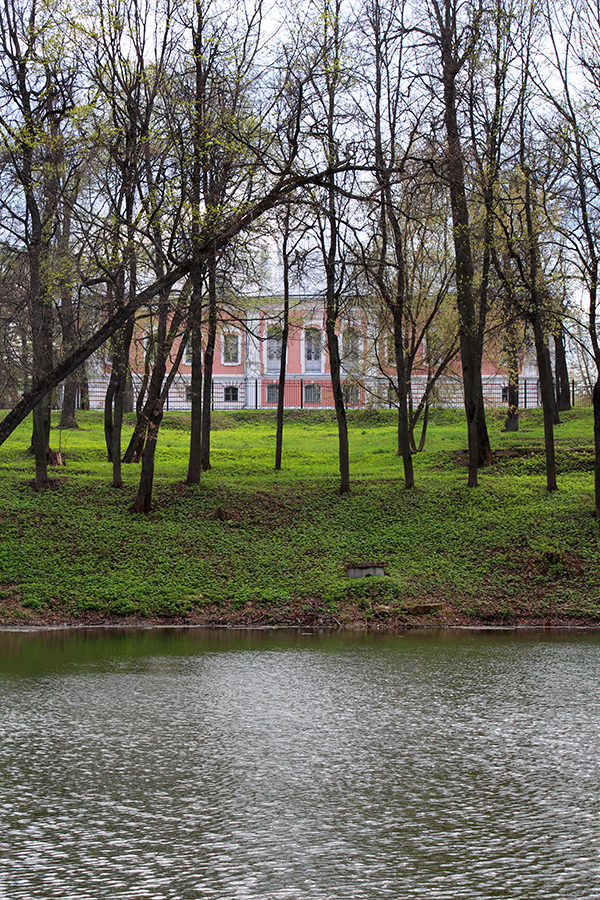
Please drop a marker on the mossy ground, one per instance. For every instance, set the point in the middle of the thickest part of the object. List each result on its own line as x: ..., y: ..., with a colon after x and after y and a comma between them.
x: 251, y: 546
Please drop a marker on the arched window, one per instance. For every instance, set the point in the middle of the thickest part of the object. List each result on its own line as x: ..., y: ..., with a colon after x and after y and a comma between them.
x: 312, y: 393
x: 231, y: 394
x: 312, y: 350
x: 274, y: 342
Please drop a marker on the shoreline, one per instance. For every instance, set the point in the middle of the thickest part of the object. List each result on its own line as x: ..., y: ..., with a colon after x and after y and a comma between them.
x: 231, y: 619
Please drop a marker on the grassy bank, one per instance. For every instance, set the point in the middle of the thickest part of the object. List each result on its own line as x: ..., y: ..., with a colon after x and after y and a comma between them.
x: 251, y: 546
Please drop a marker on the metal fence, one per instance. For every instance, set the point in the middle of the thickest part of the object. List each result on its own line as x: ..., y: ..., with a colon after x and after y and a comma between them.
x: 316, y: 393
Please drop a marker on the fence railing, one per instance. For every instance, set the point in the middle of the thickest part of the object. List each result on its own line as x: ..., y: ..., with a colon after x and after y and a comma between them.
x: 316, y: 393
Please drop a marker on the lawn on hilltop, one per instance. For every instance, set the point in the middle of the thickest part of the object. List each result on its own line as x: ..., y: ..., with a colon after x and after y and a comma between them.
x: 252, y: 546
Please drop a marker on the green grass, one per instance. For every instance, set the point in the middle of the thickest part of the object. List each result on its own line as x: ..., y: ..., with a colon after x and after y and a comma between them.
x: 252, y: 545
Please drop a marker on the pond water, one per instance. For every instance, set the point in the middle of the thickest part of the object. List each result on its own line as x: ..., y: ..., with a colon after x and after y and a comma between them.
x: 196, y: 764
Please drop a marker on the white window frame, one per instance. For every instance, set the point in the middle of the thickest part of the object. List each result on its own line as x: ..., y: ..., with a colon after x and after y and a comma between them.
x: 230, y: 334
x: 317, y: 389
x: 312, y: 370
x: 274, y: 364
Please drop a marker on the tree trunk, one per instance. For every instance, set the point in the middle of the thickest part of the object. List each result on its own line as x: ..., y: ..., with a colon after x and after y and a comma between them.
x: 194, y: 463
x: 209, y: 357
x: 69, y: 402
x: 563, y: 394
x: 403, y: 430
x: 478, y: 440
x: 340, y: 409
x: 596, y: 402
x: 284, y: 342
x: 40, y: 443
x: 511, y: 422
x: 115, y: 396
x: 281, y: 390
x: 84, y: 389
x: 143, y: 500
x: 545, y: 373
x: 552, y: 397
x: 164, y: 343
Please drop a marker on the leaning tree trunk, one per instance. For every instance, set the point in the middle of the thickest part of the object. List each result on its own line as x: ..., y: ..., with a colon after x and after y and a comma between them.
x: 143, y: 500
x: 164, y: 342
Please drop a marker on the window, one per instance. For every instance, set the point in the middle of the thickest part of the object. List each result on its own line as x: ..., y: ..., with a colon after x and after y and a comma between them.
x: 391, y: 352
x: 274, y: 342
x: 351, y: 394
x: 272, y: 393
x: 231, y: 394
x: 312, y: 393
x: 392, y: 395
x: 189, y: 395
x: 231, y: 348
x: 504, y: 394
x: 187, y: 353
x: 149, y: 344
x: 351, y: 345
x: 312, y: 350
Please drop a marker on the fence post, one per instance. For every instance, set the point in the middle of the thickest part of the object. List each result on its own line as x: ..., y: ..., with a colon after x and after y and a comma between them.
x: 525, y: 394
x: 167, y: 404
x: 573, y: 392
x: 301, y: 393
x: 212, y: 393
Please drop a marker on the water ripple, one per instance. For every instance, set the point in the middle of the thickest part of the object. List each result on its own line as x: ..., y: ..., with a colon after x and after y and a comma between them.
x: 416, y: 768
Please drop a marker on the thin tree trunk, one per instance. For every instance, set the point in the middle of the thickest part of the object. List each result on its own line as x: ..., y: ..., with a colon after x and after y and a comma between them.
x: 164, y: 344
x: 143, y: 500
x: 284, y: 342
x: 547, y: 402
x: 115, y: 398
x: 338, y: 399
x: 403, y: 430
x: 194, y: 463
x: 511, y: 422
x: 40, y: 445
x: 555, y: 416
x: 563, y: 394
x: 84, y: 388
x: 596, y: 402
x: 478, y: 440
x: 209, y: 357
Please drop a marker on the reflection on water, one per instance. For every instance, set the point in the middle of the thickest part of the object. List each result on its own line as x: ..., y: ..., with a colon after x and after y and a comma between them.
x: 174, y: 764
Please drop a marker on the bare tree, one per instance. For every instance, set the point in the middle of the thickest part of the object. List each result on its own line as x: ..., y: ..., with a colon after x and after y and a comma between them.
x: 37, y: 96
